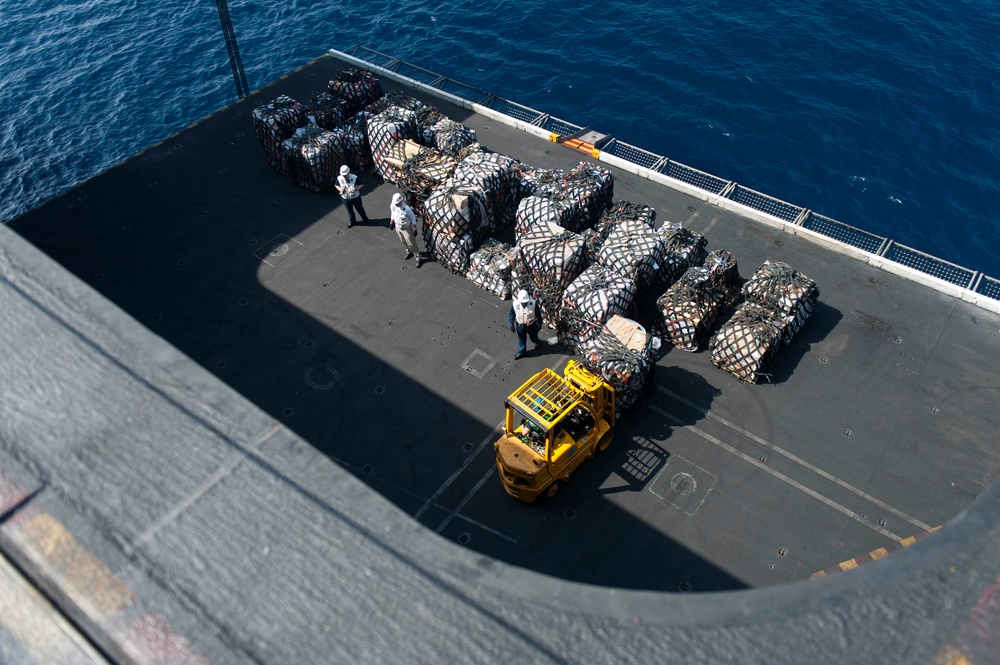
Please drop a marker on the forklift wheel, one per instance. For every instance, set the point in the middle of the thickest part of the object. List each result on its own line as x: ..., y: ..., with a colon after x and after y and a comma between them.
x: 605, y: 441
x: 551, y: 491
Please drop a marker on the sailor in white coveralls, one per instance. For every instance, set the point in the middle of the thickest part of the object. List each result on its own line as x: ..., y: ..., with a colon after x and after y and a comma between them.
x: 405, y: 223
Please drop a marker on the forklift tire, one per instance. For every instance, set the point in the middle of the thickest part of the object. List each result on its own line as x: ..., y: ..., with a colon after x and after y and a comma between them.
x: 551, y: 491
x: 605, y: 441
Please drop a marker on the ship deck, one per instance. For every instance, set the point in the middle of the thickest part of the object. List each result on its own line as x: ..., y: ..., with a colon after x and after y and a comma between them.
x: 876, y: 425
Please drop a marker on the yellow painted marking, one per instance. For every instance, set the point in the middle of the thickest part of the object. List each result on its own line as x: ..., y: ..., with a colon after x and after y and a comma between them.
x: 949, y: 655
x: 554, y: 137
x: 819, y: 574
x: 906, y: 542
x: 878, y: 554
x: 848, y: 565
x: 83, y: 574
x: 595, y: 153
x: 936, y: 528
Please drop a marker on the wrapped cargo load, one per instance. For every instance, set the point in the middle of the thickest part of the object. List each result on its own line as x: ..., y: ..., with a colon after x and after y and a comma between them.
x: 357, y: 151
x: 393, y: 98
x: 635, y: 251
x: 554, y: 257
x: 544, y: 183
x: 497, y: 175
x: 589, y: 188
x: 624, y: 354
x: 686, y: 313
x: 455, y: 217
x: 624, y: 211
x: 747, y: 342
x: 273, y: 124
x: 392, y: 126
x: 358, y: 87
x: 327, y: 110
x: 491, y: 265
x: 316, y: 155
x: 451, y: 137
x: 589, y: 302
x: 684, y: 249
x: 575, y: 200
x: 452, y: 253
x: 535, y: 211
x: 420, y: 170
x: 790, y: 293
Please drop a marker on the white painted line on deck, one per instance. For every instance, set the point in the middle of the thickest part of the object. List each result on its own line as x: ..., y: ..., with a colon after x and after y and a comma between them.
x: 494, y: 433
x: 486, y: 476
x: 777, y: 474
x: 485, y: 528
x: 815, y: 469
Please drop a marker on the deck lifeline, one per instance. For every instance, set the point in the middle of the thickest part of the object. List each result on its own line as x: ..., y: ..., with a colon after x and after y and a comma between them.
x: 877, y: 422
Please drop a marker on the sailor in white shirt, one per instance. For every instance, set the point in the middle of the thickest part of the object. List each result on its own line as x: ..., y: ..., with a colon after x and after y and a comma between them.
x: 350, y: 191
x: 405, y: 223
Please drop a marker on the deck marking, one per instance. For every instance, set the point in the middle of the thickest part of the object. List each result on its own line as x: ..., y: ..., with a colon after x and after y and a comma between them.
x: 461, y: 504
x: 777, y: 474
x: 478, y: 373
x: 874, y: 555
x: 224, y: 470
x: 815, y: 469
x: 486, y: 528
x: 711, y: 223
x: 454, y: 476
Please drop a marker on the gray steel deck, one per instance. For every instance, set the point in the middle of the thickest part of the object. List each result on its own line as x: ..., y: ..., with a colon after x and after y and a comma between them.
x: 234, y: 525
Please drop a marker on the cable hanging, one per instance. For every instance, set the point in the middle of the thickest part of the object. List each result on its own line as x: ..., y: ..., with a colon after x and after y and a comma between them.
x: 239, y: 76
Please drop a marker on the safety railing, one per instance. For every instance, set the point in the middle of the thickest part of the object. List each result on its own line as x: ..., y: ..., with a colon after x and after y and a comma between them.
x: 782, y: 210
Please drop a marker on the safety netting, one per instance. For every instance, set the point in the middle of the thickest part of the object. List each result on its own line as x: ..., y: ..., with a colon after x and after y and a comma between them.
x: 635, y: 251
x: 788, y: 292
x: 358, y: 87
x: 624, y: 354
x: 498, y: 176
x: 316, y: 155
x: 683, y: 249
x: 491, y: 265
x: 589, y: 301
x: 747, y: 342
x: 555, y: 257
x: 327, y: 110
x: 625, y: 211
x: 455, y: 216
x: 274, y: 123
x: 392, y: 126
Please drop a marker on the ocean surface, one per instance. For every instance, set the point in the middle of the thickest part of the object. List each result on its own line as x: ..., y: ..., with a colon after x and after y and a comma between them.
x: 881, y: 115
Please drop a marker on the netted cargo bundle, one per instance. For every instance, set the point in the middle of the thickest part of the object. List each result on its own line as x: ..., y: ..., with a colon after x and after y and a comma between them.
x: 684, y: 249
x: 592, y: 243
x: 555, y: 257
x: 686, y: 312
x: 394, y: 98
x: 574, y: 200
x: 623, y: 353
x: 275, y: 123
x: 455, y: 209
x: 588, y: 189
x: 490, y: 267
x: 790, y: 293
x: 747, y: 342
x: 386, y: 129
x: 589, y: 301
x: 427, y: 117
x: 498, y: 177
x: 535, y: 211
x: 316, y: 155
x: 722, y: 268
x: 520, y: 275
x: 624, y: 211
x: 452, y: 253
x: 358, y: 87
x: 451, y: 137
x: 327, y: 110
x: 357, y: 151
x: 636, y: 251
x: 418, y: 169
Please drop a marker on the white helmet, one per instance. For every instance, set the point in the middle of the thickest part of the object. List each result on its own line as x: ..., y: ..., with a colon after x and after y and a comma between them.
x: 522, y: 296
x: 397, y: 198
x: 345, y: 169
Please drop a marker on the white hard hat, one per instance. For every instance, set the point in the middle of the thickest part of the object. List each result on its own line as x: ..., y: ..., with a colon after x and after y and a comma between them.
x: 397, y: 198
x: 522, y: 296
x: 345, y: 169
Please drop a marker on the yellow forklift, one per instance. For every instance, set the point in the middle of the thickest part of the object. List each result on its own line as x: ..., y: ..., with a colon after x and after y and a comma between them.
x: 553, y: 423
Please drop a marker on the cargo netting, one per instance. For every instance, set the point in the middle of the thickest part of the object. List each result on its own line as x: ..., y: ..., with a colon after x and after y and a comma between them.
x: 788, y: 292
x: 686, y: 313
x: 273, y: 124
x: 491, y: 265
x: 625, y: 211
x: 358, y: 87
x: 316, y: 156
x: 397, y: 99
x: 684, y: 249
x: 455, y: 216
x: 589, y: 301
x: 574, y: 200
x: 451, y: 137
x: 624, y: 354
x: 452, y: 253
x: 554, y: 257
x: 637, y: 252
x: 419, y: 170
x: 358, y: 152
x: 392, y: 126
x: 498, y: 176
x: 327, y: 110
x: 747, y: 342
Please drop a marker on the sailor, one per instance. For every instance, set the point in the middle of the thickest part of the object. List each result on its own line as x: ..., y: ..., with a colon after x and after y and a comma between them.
x: 405, y: 223
x: 349, y: 188
x: 525, y: 320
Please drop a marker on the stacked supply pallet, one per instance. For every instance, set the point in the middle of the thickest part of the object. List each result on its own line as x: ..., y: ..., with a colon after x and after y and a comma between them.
x: 316, y: 155
x: 327, y: 110
x: 497, y: 175
x: 275, y: 123
x: 684, y: 249
x: 622, y: 212
x: 686, y: 313
x: 420, y: 169
x: 624, y: 354
x: 635, y: 251
x: 357, y: 87
x: 491, y: 265
x: 779, y: 299
x: 589, y: 302
x: 574, y: 201
x: 390, y: 127
x: 554, y: 257
x: 455, y: 215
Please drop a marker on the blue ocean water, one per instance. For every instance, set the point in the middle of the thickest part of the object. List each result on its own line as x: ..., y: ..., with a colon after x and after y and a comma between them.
x: 881, y: 115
